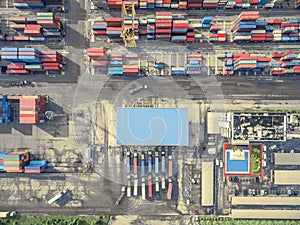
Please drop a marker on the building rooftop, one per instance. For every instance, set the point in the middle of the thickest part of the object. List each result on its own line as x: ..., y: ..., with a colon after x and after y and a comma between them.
x: 207, y: 187
x: 287, y: 177
x: 258, y: 200
x: 152, y: 126
x: 287, y: 159
x: 265, y: 214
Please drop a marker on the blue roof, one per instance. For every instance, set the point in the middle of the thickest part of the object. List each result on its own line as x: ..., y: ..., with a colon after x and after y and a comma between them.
x: 152, y: 126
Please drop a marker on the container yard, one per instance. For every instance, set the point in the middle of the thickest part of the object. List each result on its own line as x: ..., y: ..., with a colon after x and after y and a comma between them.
x: 157, y: 110
x: 192, y: 4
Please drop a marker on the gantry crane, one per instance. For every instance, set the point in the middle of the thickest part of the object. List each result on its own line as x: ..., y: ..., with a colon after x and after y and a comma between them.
x: 128, y: 30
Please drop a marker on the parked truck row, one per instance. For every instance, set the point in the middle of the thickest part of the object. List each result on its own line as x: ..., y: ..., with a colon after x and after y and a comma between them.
x: 147, y: 171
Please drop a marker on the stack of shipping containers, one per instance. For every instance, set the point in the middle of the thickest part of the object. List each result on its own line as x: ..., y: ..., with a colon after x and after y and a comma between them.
x: 52, y: 60
x: 243, y: 25
x: 51, y: 24
x: 5, y: 109
x: 98, y: 57
x: 179, y: 30
x: 29, y: 3
x: 25, y: 60
x: 2, y: 154
x: 33, y: 31
x: 14, y: 162
x: 151, y: 27
x: 193, y: 64
x: 247, y: 28
x: 286, y: 64
x: 210, y: 4
x: 114, y: 27
x: 35, y: 166
x: 216, y: 35
x: 32, y: 109
x: 46, y: 25
x: 206, y: 22
x: 18, y: 162
x: 131, y: 66
x: 190, y: 4
x: 245, y: 62
x: 99, y: 28
x: 163, y: 24
x: 115, y: 64
x: 195, y: 4
x: 35, y: 3
x: 114, y: 4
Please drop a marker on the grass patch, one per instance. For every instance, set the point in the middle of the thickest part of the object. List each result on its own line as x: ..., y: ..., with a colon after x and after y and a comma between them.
x: 256, y: 159
x: 56, y: 220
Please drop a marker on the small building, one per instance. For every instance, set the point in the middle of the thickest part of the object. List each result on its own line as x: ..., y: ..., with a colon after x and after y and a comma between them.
x: 265, y: 200
x: 287, y: 177
x: 264, y: 214
x: 217, y: 124
x: 288, y: 159
x: 207, y: 187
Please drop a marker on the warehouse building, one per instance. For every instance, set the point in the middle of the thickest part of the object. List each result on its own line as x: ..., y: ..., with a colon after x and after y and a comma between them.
x: 288, y: 159
x: 287, y: 177
x: 264, y: 214
x: 152, y: 126
x: 265, y: 201
x: 207, y: 187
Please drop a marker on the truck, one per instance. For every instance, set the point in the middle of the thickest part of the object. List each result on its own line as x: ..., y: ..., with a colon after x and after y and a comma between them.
x: 149, y: 162
x: 8, y: 214
x: 143, y: 188
x: 163, y: 183
x: 170, y: 189
x: 163, y: 163
x: 135, y: 163
x: 128, y: 163
x: 135, y: 186
x: 142, y: 165
x: 123, y: 189
x: 170, y: 166
x: 156, y: 184
x: 138, y: 88
x: 128, y: 186
x: 89, y: 153
x: 150, y: 194
x: 58, y: 196
x: 156, y: 162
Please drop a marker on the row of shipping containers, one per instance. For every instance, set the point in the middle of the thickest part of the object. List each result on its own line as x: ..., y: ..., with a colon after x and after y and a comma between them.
x: 35, y: 3
x: 248, y: 28
x: 145, y: 167
x: 19, y: 162
x: 5, y: 109
x: 44, y: 25
x: 128, y: 64
x: 187, y: 4
x: 277, y: 64
x: 161, y: 26
x: 30, y: 60
x: 31, y: 109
